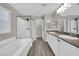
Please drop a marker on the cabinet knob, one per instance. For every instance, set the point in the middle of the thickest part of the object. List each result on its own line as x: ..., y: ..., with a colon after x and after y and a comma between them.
x: 58, y: 40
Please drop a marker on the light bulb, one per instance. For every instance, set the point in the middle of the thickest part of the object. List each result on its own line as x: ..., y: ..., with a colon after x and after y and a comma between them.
x: 48, y: 21
x: 65, y: 4
x: 63, y: 7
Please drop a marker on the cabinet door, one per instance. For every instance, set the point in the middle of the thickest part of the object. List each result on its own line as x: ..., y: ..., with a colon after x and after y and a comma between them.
x: 67, y: 49
x: 52, y: 41
x: 55, y: 44
x: 48, y: 37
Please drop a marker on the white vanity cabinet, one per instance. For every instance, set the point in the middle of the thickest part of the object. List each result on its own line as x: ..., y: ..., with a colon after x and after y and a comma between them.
x: 67, y: 49
x: 54, y: 44
x: 61, y: 47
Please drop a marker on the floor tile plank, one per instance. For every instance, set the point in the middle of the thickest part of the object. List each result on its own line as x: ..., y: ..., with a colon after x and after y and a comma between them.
x: 40, y: 48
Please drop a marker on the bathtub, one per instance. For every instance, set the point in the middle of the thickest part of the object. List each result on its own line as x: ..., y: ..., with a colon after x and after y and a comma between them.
x: 15, y: 47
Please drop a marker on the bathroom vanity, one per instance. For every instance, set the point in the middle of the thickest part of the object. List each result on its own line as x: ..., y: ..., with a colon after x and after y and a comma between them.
x: 63, y: 44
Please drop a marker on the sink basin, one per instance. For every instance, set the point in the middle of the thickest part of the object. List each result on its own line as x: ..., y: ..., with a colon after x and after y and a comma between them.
x: 68, y: 37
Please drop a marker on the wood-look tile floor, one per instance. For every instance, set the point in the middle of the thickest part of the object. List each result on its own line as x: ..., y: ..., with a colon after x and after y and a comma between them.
x: 40, y: 48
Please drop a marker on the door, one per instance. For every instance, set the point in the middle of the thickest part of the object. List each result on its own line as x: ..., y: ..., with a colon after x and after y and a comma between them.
x: 38, y: 25
x: 54, y: 43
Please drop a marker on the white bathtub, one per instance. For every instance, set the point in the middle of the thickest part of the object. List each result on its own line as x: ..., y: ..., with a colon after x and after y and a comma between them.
x: 15, y: 47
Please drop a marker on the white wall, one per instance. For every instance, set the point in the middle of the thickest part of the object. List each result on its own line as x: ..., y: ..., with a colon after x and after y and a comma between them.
x: 43, y: 30
x: 65, y: 25
x: 33, y: 29
x: 68, y: 25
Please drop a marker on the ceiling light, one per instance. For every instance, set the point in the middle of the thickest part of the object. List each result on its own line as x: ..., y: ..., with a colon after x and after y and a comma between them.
x: 67, y: 5
x: 63, y: 7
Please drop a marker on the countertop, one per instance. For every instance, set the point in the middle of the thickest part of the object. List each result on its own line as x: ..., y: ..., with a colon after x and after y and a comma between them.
x: 74, y: 42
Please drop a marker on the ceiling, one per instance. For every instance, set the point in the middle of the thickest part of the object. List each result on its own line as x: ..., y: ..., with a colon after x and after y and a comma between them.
x: 35, y: 9
x: 72, y: 11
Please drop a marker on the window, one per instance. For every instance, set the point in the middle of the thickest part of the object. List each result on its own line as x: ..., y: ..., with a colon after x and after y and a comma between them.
x: 5, y: 17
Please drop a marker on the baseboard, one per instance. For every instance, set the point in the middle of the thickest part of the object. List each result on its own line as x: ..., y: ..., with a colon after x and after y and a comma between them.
x: 39, y: 37
x: 45, y: 41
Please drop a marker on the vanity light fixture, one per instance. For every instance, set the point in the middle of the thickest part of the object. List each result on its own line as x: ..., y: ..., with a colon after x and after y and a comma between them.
x: 63, y: 7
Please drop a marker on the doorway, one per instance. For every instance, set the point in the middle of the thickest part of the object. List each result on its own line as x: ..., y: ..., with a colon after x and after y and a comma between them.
x: 38, y: 24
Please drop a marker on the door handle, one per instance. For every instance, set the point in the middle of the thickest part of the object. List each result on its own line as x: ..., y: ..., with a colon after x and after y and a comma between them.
x: 58, y: 40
